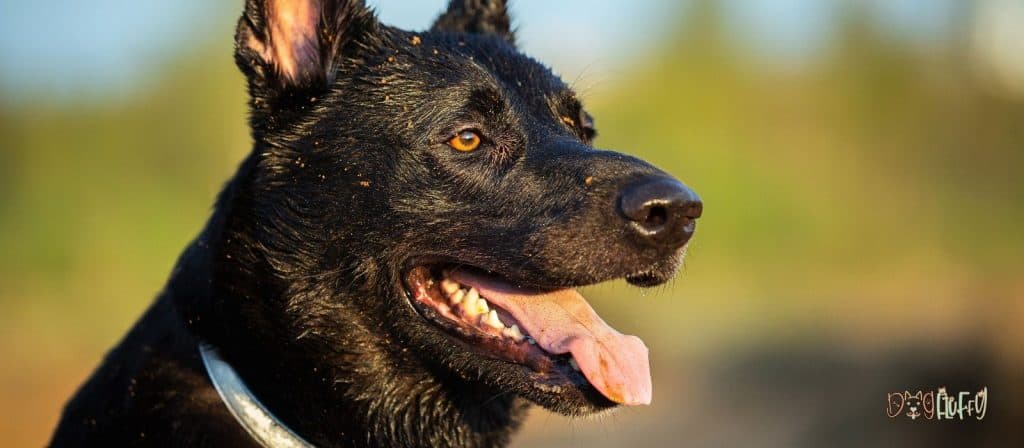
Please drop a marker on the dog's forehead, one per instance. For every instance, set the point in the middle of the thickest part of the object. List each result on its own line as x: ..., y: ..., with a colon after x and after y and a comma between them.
x: 490, y: 59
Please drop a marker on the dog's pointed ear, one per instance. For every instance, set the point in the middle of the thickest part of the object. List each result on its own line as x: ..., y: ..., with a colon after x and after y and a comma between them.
x: 287, y: 46
x: 477, y: 16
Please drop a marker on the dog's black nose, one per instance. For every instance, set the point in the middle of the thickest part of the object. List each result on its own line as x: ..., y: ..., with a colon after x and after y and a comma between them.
x: 662, y: 211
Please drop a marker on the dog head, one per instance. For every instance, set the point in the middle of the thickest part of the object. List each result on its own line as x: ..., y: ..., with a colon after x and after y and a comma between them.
x: 919, y: 404
x: 440, y: 191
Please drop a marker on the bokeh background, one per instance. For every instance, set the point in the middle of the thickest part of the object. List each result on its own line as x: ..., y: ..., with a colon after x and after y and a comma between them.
x: 860, y: 162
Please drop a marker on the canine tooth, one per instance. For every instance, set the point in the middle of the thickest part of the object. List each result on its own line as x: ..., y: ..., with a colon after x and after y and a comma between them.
x: 473, y: 295
x: 469, y: 304
x: 513, y: 332
x: 492, y: 320
x: 457, y: 296
x: 482, y: 305
x: 449, y: 286
x: 573, y: 364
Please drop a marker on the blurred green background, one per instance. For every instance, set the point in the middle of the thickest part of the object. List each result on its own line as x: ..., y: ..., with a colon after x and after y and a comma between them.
x: 860, y: 163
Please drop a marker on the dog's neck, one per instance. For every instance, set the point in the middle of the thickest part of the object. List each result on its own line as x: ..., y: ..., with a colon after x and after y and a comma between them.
x: 259, y: 422
x: 369, y: 401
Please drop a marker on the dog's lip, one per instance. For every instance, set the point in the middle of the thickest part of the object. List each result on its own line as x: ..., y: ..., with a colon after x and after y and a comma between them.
x: 513, y: 277
x: 644, y: 278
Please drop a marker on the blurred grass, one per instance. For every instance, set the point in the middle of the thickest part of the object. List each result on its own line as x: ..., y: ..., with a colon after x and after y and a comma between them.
x: 874, y: 191
x: 100, y: 197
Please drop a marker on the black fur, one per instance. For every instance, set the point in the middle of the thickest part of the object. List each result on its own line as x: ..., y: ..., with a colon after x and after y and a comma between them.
x: 298, y: 275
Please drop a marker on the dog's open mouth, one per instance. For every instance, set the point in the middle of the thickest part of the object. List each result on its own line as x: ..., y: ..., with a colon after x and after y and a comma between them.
x: 552, y: 332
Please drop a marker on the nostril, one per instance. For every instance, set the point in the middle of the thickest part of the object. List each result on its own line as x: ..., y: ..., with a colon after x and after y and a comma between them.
x: 657, y: 216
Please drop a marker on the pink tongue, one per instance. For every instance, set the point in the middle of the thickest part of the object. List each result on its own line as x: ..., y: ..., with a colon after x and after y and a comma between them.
x: 563, y: 322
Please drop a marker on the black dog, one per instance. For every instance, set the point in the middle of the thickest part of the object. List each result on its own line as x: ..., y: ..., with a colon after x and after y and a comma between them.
x: 393, y: 263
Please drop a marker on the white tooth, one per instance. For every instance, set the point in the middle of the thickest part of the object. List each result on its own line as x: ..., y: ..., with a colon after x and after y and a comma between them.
x: 473, y: 295
x: 457, y: 296
x: 449, y: 286
x: 514, y: 333
x: 492, y: 320
x: 469, y: 304
x: 573, y: 364
x: 482, y: 306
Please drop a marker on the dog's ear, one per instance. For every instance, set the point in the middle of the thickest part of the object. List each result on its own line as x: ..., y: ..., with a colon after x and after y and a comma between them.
x: 286, y: 47
x: 477, y: 16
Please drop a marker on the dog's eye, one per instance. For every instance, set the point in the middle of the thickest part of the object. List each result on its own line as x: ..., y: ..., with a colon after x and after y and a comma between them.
x: 465, y: 141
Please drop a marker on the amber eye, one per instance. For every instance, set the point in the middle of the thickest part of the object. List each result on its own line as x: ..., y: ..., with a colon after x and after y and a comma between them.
x: 465, y: 141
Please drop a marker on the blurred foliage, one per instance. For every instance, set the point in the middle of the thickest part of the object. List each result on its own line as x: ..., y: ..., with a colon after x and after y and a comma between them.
x: 873, y: 186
